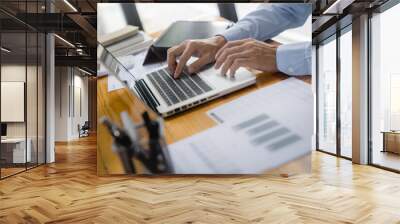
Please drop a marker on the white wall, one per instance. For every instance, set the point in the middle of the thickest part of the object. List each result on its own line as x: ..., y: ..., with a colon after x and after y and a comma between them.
x: 71, y: 94
x: 61, y: 103
x: 80, y: 109
x: 33, y: 126
x: 16, y: 73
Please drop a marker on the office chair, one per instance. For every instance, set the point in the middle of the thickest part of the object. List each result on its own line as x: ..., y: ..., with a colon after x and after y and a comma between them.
x: 84, y: 130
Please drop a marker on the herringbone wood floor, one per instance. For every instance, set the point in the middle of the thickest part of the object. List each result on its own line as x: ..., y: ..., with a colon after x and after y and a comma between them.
x: 69, y: 191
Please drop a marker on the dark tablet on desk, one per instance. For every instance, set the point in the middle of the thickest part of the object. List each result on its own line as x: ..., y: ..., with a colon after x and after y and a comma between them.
x: 180, y: 31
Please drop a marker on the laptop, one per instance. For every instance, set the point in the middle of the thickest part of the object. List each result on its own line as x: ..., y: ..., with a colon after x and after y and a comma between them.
x: 168, y: 96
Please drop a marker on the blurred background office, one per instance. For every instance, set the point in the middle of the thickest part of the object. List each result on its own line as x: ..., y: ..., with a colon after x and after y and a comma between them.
x: 47, y: 79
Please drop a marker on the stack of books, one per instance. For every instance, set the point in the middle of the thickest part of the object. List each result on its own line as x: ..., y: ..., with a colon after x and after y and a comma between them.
x: 126, y: 41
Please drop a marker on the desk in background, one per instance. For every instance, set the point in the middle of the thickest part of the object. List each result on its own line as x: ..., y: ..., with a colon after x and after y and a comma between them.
x: 13, y: 151
x: 391, y: 141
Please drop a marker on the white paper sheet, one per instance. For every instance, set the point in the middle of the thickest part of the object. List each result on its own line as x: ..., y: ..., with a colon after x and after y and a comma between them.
x: 260, y: 131
x: 228, y: 149
x: 113, y: 83
x: 285, y: 99
x: 130, y: 45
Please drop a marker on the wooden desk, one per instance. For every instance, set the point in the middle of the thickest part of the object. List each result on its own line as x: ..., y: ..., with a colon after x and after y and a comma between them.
x: 178, y: 127
x: 13, y: 150
x: 391, y: 141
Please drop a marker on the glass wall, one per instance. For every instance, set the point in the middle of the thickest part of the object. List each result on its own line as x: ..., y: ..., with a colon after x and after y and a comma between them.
x: 22, y: 93
x: 346, y: 92
x: 385, y: 89
x: 13, y: 94
x: 335, y: 137
x: 327, y: 95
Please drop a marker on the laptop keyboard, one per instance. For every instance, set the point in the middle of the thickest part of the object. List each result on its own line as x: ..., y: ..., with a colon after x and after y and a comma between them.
x: 173, y: 90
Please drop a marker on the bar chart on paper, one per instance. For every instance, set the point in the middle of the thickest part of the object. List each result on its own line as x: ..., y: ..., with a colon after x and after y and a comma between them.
x: 262, y: 130
x: 257, y: 132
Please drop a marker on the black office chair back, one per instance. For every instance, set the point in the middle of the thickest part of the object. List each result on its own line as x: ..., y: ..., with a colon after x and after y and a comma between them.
x: 86, y: 125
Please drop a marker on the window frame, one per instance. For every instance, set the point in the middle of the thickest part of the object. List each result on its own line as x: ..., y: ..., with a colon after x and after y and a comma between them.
x: 337, y: 26
x: 333, y: 37
x: 378, y: 10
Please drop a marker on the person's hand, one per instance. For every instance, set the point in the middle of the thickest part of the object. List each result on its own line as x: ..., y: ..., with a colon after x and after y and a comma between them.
x: 248, y: 53
x: 204, y: 49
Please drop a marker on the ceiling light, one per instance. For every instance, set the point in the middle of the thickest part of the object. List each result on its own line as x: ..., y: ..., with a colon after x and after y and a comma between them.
x: 84, y: 71
x: 337, y: 7
x: 5, y: 50
x: 80, y: 51
x: 64, y: 40
x: 70, y: 5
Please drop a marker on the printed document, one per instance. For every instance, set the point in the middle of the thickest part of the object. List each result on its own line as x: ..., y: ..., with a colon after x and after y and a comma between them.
x: 257, y: 132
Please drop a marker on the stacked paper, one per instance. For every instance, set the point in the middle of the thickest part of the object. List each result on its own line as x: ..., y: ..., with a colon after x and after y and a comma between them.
x: 126, y: 41
x: 118, y: 35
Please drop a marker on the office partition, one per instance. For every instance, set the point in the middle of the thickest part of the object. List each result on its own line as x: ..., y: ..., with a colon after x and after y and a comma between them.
x: 22, y: 75
x: 14, y: 147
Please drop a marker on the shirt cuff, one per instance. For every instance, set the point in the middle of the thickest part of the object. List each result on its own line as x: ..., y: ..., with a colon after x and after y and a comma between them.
x: 294, y: 59
x: 234, y: 33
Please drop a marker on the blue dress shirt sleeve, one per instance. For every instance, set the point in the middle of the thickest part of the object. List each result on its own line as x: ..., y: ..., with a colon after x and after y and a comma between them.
x: 268, y: 21
x: 294, y: 59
